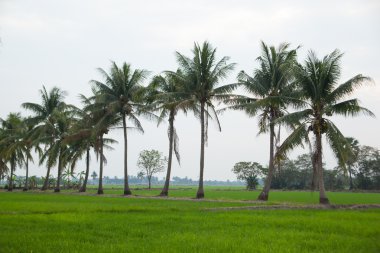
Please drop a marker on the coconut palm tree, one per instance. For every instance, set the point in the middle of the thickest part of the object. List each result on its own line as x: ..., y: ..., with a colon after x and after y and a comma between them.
x: 11, y: 149
x: 81, y: 137
x: 27, y: 145
x: 322, y: 98
x: 270, y: 92
x: 201, y: 75
x: 122, y: 92
x: 44, y: 119
x: 94, y: 120
x: 352, y: 153
x: 167, y: 95
x: 54, y: 135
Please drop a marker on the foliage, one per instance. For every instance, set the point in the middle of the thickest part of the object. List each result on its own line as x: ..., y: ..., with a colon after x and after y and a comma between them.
x: 151, y: 162
x: 94, y: 175
x: 368, y: 168
x: 249, y: 172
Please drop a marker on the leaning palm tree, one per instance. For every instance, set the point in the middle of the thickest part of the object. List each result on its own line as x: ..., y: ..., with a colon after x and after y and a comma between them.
x: 44, y: 118
x: 322, y: 98
x: 270, y: 90
x: 122, y: 91
x: 167, y: 95
x: 201, y: 75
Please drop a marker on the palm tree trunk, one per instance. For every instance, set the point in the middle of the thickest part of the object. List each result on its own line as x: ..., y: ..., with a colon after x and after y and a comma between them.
x: 10, y: 185
x: 350, y: 174
x: 265, y: 192
x: 322, y: 194
x: 27, y: 175
x: 100, y: 187
x: 165, y: 190
x: 84, y: 186
x: 58, y: 187
x: 200, y: 192
x: 127, y: 191
x: 46, y: 182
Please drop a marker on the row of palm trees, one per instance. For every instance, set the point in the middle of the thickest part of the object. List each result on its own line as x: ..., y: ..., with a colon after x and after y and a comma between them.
x: 62, y: 134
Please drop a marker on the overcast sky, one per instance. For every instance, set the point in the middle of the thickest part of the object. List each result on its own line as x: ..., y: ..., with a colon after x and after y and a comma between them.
x: 61, y: 43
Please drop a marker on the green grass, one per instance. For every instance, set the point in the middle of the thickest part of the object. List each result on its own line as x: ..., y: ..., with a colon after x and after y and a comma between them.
x: 48, y: 222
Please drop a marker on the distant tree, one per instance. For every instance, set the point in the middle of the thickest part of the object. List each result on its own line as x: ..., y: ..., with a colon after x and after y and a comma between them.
x: 140, y: 175
x: 249, y: 172
x: 151, y: 162
x: 368, y: 170
x: 94, y: 175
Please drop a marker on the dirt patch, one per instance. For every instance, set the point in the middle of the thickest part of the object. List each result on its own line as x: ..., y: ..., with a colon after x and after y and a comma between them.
x: 291, y: 207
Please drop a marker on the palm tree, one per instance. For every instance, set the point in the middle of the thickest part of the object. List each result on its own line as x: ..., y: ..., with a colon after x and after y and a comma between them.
x: 122, y: 92
x: 88, y: 132
x: 11, y: 149
x: 352, y: 152
x: 272, y: 92
x: 27, y: 145
x: 201, y: 76
x: 81, y: 137
x: 44, y: 119
x: 322, y: 98
x: 168, y: 96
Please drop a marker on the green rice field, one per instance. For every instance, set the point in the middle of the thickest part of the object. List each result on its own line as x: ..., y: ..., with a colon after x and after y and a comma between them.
x: 73, y: 222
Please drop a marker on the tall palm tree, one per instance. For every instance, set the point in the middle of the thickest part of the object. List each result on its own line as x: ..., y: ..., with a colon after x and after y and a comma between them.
x: 201, y: 75
x: 271, y: 91
x: 94, y: 121
x: 81, y: 137
x: 44, y: 119
x: 122, y: 91
x: 27, y: 145
x: 102, y: 128
x: 322, y: 98
x: 167, y: 94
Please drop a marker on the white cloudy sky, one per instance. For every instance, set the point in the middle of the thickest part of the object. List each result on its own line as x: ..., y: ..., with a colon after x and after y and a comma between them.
x: 61, y: 43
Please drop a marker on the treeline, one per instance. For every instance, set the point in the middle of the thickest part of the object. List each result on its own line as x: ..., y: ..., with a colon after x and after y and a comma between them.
x: 35, y: 182
x: 363, y: 174
x: 62, y: 134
